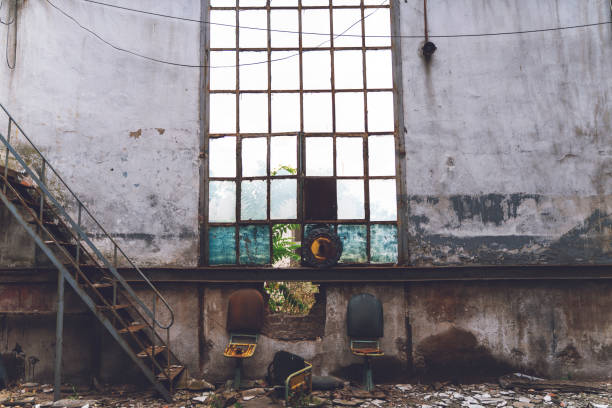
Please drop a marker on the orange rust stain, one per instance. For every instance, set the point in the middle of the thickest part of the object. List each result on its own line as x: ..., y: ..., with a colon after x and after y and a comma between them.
x: 161, y: 131
x: 136, y: 134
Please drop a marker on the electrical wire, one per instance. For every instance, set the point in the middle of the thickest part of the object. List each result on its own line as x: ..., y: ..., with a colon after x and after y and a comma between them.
x: 118, y: 48
x: 350, y: 35
x: 7, y: 23
x: 8, y: 27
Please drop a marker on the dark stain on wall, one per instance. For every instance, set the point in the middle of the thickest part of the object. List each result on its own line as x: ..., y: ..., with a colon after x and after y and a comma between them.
x: 490, y: 208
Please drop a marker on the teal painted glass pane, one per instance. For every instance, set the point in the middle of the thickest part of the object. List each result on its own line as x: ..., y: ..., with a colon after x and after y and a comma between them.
x: 222, y: 201
x: 253, y: 200
x: 353, y: 239
x: 255, y: 244
x: 310, y: 227
x: 383, y: 243
x: 221, y: 245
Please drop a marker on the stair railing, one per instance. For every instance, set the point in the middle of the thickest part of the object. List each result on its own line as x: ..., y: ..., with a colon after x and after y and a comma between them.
x: 41, y: 180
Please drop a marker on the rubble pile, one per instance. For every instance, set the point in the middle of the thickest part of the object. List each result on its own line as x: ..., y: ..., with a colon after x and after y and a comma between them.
x: 257, y: 395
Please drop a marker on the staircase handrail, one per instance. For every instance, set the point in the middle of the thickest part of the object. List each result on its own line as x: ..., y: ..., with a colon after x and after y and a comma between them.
x: 80, y: 231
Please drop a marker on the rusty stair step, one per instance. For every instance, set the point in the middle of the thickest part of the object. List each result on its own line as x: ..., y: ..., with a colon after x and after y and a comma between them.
x: 133, y: 328
x: 171, y: 372
x: 67, y: 244
x: 114, y: 307
x: 149, y: 351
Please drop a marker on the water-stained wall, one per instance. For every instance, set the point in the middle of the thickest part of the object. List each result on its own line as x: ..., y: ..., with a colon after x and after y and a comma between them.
x: 508, y: 138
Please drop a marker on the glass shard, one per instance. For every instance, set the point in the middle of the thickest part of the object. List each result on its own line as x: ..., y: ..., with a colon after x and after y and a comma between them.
x: 283, y: 199
x: 383, y: 243
x: 221, y: 245
x: 253, y: 199
x: 354, y: 239
x: 254, y: 245
x: 254, y: 153
x: 350, y: 200
x: 222, y: 157
x: 222, y: 201
x: 383, y: 201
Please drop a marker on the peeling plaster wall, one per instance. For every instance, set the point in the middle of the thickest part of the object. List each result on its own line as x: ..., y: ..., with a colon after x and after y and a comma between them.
x: 508, y: 138
x: 121, y: 130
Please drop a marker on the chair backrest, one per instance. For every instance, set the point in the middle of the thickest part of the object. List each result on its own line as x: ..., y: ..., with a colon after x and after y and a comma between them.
x: 365, y: 317
x: 245, y: 311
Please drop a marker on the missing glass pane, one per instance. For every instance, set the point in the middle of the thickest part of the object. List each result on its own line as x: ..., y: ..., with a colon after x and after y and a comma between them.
x: 222, y: 201
x: 253, y: 199
x: 320, y: 199
x: 254, y: 245
x: 222, y: 157
x: 222, y: 245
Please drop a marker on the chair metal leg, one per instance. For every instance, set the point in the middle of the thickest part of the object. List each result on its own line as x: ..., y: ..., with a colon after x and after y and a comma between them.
x: 237, y: 374
x: 368, y: 383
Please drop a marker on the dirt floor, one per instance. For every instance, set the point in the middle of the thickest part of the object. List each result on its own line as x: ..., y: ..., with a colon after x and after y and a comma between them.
x: 31, y: 395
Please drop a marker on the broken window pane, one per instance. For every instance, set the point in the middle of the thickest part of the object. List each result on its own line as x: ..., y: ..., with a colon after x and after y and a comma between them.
x: 223, y: 78
x: 222, y: 113
x: 254, y: 153
x: 222, y: 157
x: 254, y: 244
x: 320, y: 199
x: 283, y: 155
x: 383, y: 243
x: 285, y: 70
x: 378, y: 69
x: 253, y: 70
x: 316, y: 70
x: 349, y: 112
x: 253, y: 200
x: 354, y: 246
x: 253, y: 113
x: 319, y: 156
x: 349, y: 156
x: 222, y: 36
x: 315, y: 21
x: 383, y: 201
x: 381, y: 151
x: 380, y: 112
x: 284, y: 20
x: 348, y: 70
x: 317, y: 112
x: 249, y: 37
x: 348, y: 23
x: 222, y: 201
x: 285, y: 112
x: 221, y: 245
x: 350, y: 200
x: 378, y: 27
x: 283, y: 199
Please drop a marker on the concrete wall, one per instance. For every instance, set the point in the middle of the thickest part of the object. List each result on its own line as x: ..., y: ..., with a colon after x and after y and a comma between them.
x: 448, y: 331
x: 508, y: 138
x: 121, y: 130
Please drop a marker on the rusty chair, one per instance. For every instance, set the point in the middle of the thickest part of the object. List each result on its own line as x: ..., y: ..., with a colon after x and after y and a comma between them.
x: 244, y: 322
x: 365, y: 328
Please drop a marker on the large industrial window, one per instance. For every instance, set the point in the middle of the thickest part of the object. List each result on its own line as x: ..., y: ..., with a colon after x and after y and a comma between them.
x: 301, y: 128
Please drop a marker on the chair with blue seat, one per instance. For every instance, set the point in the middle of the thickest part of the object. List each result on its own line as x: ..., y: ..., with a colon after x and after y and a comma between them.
x: 365, y: 328
x: 245, y: 315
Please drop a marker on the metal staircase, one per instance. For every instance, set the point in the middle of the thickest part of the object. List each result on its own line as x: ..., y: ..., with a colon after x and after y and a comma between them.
x: 31, y: 189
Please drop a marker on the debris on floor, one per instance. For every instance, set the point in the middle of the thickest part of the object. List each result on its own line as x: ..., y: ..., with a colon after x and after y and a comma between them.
x: 486, y: 395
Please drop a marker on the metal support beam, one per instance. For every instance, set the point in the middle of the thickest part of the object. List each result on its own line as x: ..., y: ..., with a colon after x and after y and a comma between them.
x: 59, y: 337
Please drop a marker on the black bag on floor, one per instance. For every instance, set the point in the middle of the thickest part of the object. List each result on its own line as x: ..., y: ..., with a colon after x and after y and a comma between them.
x: 282, y: 366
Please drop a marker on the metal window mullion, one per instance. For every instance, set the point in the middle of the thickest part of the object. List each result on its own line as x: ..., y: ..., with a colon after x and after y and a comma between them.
x: 366, y: 166
x: 333, y: 92
x: 205, y: 130
x: 268, y: 169
x: 301, y: 142
x: 238, y: 139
